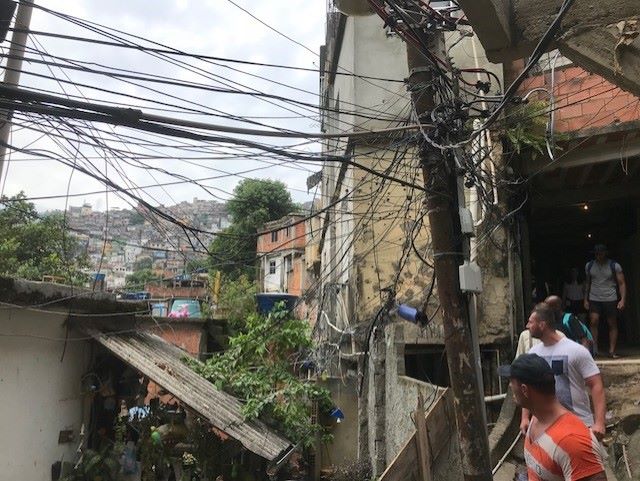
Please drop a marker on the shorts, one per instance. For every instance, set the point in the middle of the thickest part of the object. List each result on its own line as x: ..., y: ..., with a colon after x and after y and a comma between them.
x: 605, y: 309
x: 576, y: 307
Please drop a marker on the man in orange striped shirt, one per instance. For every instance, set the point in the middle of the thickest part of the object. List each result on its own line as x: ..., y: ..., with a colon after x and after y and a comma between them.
x: 558, y: 445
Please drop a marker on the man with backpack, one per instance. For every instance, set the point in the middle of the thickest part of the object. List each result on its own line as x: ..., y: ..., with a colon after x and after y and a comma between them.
x: 570, y: 324
x: 605, y: 295
x: 577, y: 374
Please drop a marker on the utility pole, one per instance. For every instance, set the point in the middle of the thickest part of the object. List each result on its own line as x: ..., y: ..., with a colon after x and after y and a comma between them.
x: 441, y: 182
x: 12, y: 71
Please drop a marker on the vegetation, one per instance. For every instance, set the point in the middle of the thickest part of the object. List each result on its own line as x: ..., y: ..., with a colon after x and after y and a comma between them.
x: 259, y: 367
x: 142, y: 264
x: 527, y: 131
x: 33, y: 246
x: 254, y: 202
x: 96, y: 465
x: 139, y: 279
x: 237, y: 300
x: 194, y: 265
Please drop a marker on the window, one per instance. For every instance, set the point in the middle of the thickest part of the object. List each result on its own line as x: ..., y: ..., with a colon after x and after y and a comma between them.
x: 272, y: 267
x: 274, y: 236
x: 425, y: 363
x: 287, y: 231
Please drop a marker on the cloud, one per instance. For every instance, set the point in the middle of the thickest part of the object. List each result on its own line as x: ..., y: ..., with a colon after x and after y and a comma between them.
x: 213, y: 27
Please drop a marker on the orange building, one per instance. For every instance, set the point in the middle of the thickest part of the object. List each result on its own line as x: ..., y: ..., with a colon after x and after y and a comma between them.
x: 281, y: 247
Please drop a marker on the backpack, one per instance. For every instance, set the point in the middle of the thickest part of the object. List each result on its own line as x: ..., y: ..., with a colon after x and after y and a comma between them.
x: 574, y: 328
x: 614, y: 274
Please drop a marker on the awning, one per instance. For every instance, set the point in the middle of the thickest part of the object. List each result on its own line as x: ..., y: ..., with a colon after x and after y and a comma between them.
x: 162, y: 363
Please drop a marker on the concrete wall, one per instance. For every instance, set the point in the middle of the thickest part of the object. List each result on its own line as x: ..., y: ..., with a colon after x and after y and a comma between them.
x: 378, y: 54
x: 40, y: 394
x: 368, y: 248
x: 397, y: 396
x: 344, y: 447
x: 388, y: 217
x: 495, y: 305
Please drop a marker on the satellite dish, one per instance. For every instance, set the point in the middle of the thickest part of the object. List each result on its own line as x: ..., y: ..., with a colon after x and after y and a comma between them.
x: 353, y: 7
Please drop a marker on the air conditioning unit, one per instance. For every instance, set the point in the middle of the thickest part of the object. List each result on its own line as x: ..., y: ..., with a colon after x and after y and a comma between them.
x: 353, y: 7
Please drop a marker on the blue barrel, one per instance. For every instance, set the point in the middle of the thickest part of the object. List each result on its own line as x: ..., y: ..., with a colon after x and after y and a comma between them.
x: 267, y: 300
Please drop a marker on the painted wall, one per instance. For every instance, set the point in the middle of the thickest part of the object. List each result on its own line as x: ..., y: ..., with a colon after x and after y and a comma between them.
x: 366, y: 242
x: 297, y: 281
x: 292, y: 237
x: 272, y: 282
x: 291, y: 241
x: 40, y: 392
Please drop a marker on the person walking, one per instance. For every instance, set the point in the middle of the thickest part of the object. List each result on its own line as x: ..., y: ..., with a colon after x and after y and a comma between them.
x: 575, y: 371
x: 526, y: 341
x: 605, y: 295
x: 557, y: 443
x: 573, y: 293
x: 570, y: 324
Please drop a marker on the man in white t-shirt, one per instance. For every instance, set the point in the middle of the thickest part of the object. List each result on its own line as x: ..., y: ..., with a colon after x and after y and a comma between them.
x: 526, y: 341
x: 574, y: 368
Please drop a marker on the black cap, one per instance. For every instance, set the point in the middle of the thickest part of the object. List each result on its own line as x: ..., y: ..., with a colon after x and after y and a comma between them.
x: 599, y: 248
x: 529, y: 369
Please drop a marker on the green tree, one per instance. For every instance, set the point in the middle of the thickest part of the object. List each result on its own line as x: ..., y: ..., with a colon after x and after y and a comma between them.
x: 194, y: 265
x: 33, y: 246
x: 254, y: 202
x: 238, y: 301
x: 140, y: 278
x: 259, y: 368
x: 142, y: 264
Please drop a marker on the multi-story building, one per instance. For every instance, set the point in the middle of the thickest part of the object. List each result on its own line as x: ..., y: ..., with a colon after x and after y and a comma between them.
x: 374, y: 245
x: 547, y: 212
x: 281, y: 249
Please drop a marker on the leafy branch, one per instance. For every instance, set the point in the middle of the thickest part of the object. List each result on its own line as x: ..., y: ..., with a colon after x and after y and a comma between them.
x: 259, y: 367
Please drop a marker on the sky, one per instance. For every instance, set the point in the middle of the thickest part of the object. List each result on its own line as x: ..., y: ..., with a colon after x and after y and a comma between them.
x: 210, y: 27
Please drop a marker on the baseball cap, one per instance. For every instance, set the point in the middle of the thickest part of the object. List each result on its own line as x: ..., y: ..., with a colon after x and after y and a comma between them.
x: 529, y: 369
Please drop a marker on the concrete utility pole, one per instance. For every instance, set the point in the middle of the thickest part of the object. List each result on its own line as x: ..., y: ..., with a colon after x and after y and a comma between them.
x: 12, y: 71
x: 441, y: 182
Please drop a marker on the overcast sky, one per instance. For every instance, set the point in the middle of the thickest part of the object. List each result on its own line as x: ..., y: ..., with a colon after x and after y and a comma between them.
x: 211, y: 27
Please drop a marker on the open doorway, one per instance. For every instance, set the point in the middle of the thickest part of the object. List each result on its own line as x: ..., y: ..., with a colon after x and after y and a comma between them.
x: 571, y: 210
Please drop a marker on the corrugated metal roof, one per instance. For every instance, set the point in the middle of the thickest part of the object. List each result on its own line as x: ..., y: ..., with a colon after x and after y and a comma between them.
x: 162, y: 363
